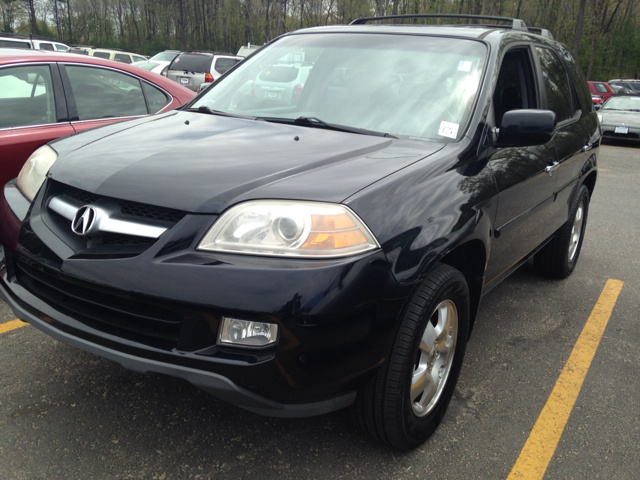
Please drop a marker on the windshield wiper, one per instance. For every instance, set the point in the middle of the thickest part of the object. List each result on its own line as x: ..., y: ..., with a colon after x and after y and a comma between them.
x: 316, y: 122
x: 205, y: 109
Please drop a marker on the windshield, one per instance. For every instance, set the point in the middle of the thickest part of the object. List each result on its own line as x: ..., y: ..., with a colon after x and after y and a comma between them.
x: 401, y: 85
x: 623, y: 103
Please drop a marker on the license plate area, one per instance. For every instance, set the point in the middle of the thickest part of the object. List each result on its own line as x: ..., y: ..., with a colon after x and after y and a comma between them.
x: 623, y: 130
x: 184, y: 80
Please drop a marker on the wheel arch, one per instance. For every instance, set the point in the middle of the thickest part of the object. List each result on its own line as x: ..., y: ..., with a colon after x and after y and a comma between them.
x: 590, y: 182
x: 470, y: 259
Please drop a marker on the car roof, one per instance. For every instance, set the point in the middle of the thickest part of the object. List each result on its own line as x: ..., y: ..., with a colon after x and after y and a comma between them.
x: 16, y: 55
x: 488, y: 29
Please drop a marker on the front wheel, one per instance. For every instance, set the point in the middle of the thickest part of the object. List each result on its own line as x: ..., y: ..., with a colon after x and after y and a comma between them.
x: 559, y: 257
x: 403, y: 405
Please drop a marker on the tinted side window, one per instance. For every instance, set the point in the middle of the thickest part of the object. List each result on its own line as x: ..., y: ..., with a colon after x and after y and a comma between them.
x: 104, y: 93
x: 556, y: 84
x: 600, y: 87
x: 26, y: 96
x: 155, y: 98
x: 579, y: 82
x: 101, y: 55
x: 122, y: 57
x: 514, y: 88
x: 224, y: 64
x: 14, y: 44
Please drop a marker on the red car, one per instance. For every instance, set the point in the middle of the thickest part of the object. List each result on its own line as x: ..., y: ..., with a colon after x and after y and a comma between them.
x: 600, y: 92
x: 46, y: 95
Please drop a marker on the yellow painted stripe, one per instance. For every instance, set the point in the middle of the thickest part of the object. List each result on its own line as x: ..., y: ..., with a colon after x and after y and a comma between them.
x: 545, y: 435
x: 12, y: 325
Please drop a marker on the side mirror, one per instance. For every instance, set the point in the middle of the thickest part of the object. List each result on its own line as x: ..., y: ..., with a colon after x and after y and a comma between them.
x: 522, y: 128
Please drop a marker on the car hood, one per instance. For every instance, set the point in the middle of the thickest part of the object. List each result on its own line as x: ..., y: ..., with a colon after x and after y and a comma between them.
x: 204, y: 163
x: 613, y: 117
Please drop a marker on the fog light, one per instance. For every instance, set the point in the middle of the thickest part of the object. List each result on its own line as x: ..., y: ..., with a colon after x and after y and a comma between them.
x: 247, y: 333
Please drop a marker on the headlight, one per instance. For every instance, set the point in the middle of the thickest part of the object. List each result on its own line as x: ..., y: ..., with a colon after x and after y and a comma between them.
x: 33, y: 173
x: 289, y: 228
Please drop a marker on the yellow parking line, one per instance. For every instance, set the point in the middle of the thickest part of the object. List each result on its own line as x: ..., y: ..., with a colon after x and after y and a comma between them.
x: 545, y: 435
x: 12, y: 325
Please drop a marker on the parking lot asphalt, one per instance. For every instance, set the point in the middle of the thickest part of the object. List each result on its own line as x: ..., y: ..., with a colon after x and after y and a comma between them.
x: 68, y: 414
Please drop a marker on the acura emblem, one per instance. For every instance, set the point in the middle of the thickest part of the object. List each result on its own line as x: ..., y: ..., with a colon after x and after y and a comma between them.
x: 84, y: 220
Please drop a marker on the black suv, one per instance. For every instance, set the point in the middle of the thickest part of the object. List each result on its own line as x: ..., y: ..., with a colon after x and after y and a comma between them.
x: 325, y: 251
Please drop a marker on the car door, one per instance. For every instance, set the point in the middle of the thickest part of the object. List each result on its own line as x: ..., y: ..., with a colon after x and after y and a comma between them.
x: 523, y: 175
x: 576, y: 134
x: 32, y: 112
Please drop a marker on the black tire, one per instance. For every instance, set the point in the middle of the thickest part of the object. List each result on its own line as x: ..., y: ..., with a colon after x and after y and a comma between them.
x: 559, y: 257
x: 384, y: 407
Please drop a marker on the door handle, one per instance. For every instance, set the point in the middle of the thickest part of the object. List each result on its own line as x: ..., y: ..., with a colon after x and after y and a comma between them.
x: 550, y: 168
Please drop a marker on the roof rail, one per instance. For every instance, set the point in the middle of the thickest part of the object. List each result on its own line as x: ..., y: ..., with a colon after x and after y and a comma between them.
x: 541, y: 31
x: 516, y: 24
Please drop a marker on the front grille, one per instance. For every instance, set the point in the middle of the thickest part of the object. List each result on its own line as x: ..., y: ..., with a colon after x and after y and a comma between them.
x: 142, y: 320
x: 119, y: 243
x: 127, y: 208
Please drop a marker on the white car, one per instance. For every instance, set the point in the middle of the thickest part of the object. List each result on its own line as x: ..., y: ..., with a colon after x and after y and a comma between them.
x: 31, y: 42
x: 156, y: 67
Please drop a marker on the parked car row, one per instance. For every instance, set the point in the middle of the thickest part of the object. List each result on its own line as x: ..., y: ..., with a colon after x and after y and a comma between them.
x: 602, y: 91
x: 109, y: 54
x: 195, y: 69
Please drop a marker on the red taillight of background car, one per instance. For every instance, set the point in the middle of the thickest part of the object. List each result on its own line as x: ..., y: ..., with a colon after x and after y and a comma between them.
x: 208, y: 78
x: 297, y: 90
x: 597, y: 98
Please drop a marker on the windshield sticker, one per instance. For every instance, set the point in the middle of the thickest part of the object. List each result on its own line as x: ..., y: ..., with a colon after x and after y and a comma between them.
x: 464, y: 66
x: 448, y: 129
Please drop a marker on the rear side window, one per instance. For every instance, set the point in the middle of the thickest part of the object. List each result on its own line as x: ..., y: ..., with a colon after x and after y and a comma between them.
x: 156, y: 98
x: 192, y: 62
x: 600, y: 87
x: 14, y: 44
x: 26, y: 96
x: 46, y: 46
x: 122, y: 57
x: 224, y: 64
x: 556, y: 84
x: 103, y: 93
x: 101, y: 55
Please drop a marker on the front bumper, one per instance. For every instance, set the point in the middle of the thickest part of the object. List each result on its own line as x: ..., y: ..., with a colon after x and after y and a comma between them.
x: 159, y: 311
x: 611, y: 132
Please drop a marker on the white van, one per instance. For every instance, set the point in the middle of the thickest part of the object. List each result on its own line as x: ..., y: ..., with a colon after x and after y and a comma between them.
x: 10, y: 40
x: 117, y: 55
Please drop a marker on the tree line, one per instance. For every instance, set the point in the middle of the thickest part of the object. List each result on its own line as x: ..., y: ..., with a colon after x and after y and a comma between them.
x: 603, y: 34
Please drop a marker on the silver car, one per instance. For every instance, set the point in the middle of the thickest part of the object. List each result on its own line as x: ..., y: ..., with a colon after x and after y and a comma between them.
x: 191, y: 69
x: 620, y: 118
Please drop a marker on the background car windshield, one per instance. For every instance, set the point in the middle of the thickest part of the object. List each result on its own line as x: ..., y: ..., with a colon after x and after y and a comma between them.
x: 414, y: 86
x: 623, y: 103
